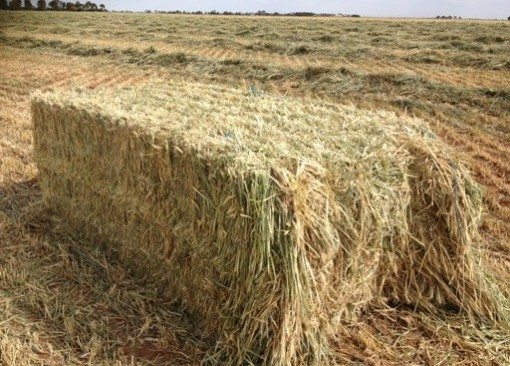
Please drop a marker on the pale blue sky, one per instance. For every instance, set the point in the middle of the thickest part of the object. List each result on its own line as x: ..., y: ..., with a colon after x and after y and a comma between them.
x: 411, y: 8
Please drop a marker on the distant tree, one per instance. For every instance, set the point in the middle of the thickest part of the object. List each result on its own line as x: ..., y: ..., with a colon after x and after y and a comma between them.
x: 90, y: 6
x: 70, y: 6
x: 28, y: 5
x: 41, y: 4
x: 303, y: 14
x: 508, y: 18
x: 15, y: 5
x: 54, y: 4
x: 4, y: 5
x: 102, y: 7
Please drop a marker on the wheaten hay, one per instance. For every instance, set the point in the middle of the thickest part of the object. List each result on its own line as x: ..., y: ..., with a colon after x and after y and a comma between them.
x: 273, y: 219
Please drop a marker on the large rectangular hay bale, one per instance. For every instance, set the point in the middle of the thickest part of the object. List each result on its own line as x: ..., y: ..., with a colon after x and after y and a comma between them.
x: 274, y: 219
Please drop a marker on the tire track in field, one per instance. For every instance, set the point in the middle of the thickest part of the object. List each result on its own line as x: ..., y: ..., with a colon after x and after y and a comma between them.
x: 477, y: 141
x: 494, y: 171
x: 99, y: 80
x: 91, y: 79
x: 378, y: 66
x: 499, y: 142
x: 117, y: 80
x: 462, y: 77
x: 487, y: 155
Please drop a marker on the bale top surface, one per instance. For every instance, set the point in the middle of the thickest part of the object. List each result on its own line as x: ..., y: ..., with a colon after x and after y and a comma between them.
x: 254, y: 131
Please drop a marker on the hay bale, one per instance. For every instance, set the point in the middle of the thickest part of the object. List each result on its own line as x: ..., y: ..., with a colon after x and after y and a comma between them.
x: 275, y: 220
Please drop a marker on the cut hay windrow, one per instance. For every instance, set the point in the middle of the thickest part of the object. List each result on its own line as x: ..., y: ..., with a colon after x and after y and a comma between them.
x: 273, y: 220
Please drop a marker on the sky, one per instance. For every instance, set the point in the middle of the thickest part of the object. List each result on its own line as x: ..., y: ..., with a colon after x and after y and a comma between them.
x: 383, y: 8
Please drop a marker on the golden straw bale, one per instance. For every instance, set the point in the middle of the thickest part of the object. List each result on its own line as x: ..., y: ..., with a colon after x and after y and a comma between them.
x: 272, y: 219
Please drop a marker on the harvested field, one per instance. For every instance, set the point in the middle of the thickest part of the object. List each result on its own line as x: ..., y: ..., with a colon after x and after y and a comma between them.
x: 67, y: 299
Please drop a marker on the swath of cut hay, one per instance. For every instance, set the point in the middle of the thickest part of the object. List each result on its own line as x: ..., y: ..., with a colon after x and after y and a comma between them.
x: 274, y: 220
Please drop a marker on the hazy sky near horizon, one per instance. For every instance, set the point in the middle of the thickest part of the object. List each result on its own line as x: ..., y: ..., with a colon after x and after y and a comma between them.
x: 401, y: 8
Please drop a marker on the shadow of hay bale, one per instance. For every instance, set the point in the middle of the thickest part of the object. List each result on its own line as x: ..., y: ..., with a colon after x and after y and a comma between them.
x: 66, y: 300
x: 17, y: 197
x: 274, y: 220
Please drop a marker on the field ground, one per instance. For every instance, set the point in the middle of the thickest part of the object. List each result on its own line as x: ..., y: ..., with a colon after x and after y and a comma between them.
x: 64, y: 300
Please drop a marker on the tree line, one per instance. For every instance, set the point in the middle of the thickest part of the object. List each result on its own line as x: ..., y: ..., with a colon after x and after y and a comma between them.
x: 447, y: 17
x: 52, y: 5
x: 259, y: 13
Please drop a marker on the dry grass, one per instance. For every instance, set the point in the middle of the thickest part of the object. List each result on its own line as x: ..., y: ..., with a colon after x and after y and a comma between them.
x: 461, y: 93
